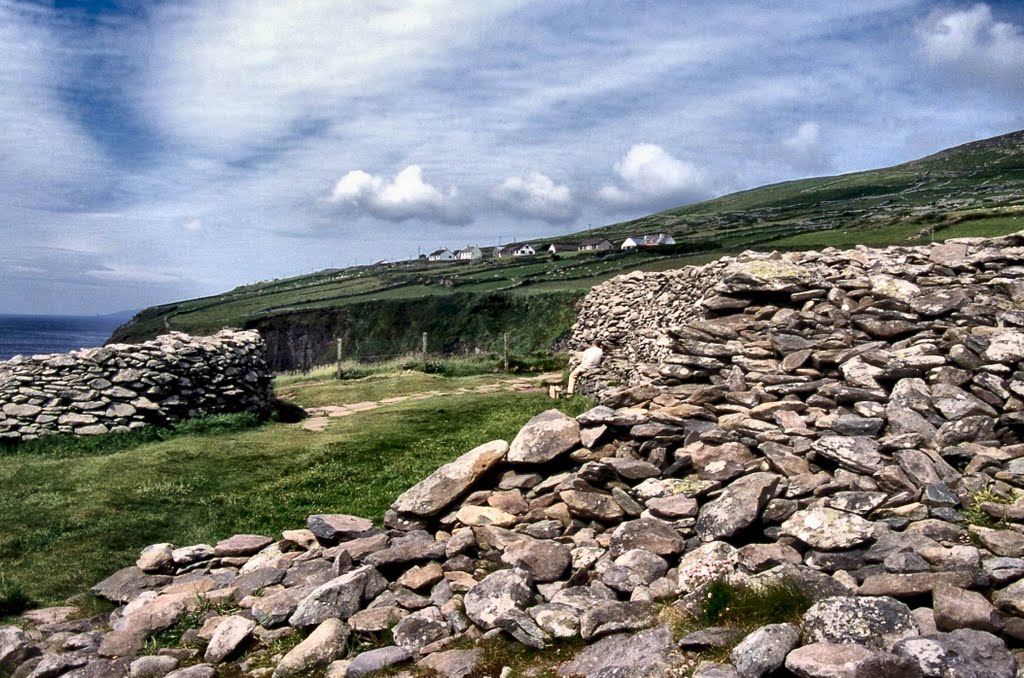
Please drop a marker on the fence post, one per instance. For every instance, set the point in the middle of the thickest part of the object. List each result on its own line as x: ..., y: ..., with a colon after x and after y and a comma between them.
x: 505, y: 351
x: 340, y: 372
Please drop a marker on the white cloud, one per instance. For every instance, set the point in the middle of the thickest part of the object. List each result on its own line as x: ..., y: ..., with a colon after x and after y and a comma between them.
x: 230, y: 76
x: 805, y: 150
x: 536, y: 195
x: 974, y: 46
x: 193, y: 225
x: 407, y: 197
x: 134, y: 273
x: 653, y: 178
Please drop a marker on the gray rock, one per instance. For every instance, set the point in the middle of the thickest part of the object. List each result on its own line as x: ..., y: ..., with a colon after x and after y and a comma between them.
x: 558, y: 621
x: 196, y: 671
x: 125, y: 584
x: 15, y: 647
x: 370, y: 661
x: 333, y: 528
x: 152, y: 666
x: 453, y: 663
x: 828, y: 529
x: 497, y: 593
x: 871, y: 621
x: 964, y: 653
x: 522, y: 627
x: 649, y: 534
x: 831, y: 660
x: 545, y: 560
x: 339, y: 598
x: 229, y: 639
x: 857, y: 453
x: 956, y: 608
x: 615, y: 617
x: 641, y: 655
x: 543, y: 438
x: 156, y: 559
x: 592, y: 505
x: 274, y: 609
x: 421, y: 628
x: 437, y: 491
x: 764, y: 650
x: 738, y: 507
x: 240, y: 545
x: 325, y: 644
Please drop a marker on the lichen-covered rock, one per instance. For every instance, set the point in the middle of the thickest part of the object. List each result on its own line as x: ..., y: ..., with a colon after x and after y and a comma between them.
x: 497, y: 593
x: 544, y: 437
x: 828, y: 529
x: 964, y: 653
x: 870, y: 621
x: 442, y: 487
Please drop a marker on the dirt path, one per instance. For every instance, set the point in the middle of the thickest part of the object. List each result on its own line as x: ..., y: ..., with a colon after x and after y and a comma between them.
x: 320, y: 417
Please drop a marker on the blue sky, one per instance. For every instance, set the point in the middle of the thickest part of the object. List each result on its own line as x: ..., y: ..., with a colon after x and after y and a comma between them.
x: 154, y: 151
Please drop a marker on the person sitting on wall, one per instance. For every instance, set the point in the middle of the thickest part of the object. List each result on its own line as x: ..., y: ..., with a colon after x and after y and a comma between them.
x: 590, y: 359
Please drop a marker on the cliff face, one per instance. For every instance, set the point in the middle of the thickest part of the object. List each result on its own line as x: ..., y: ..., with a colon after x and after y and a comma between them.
x: 458, y: 323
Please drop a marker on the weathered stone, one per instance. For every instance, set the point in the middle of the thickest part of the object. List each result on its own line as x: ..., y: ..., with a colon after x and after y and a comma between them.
x: 366, y: 663
x: 592, y: 505
x: 229, y: 639
x: 964, y: 653
x: 241, y: 545
x: 738, y: 507
x: 544, y: 437
x: 433, y: 494
x: 615, y: 617
x: 15, y: 647
x: 828, y: 529
x: 649, y: 534
x: 856, y: 453
x: 764, y: 650
x: 127, y: 583
x: 325, y: 644
x: 497, y: 593
x: 956, y: 608
x: 339, y: 598
x: 453, y: 663
x: 152, y: 666
x: 641, y: 655
x: 545, y: 560
x: 333, y: 528
x: 421, y: 628
x: 832, y: 660
x: 156, y: 559
x: 870, y: 621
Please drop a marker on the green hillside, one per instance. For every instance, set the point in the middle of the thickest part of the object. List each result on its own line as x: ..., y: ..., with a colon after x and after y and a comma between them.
x: 974, y: 189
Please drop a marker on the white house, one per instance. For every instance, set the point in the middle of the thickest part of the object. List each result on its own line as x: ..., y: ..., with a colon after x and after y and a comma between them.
x: 516, y: 250
x: 556, y: 247
x: 443, y: 254
x: 647, y: 241
x: 470, y: 252
x: 596, y: 244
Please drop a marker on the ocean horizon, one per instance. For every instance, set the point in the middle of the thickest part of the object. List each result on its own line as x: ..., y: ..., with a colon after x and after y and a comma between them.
x: 28, y: 335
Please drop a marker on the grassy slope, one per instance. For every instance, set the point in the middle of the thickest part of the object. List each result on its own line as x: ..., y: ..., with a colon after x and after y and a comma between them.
x: 71, y: 520
x: 946, y: 192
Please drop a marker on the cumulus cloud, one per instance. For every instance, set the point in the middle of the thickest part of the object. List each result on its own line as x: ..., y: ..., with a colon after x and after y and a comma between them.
x: 406, y: 197
x: 974, y: 47
x: 805, y: 150
x: 536, y: 195
x: 653, y: 178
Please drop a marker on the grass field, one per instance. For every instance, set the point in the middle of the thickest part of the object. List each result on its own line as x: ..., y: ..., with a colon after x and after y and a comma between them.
x: 72, y: 519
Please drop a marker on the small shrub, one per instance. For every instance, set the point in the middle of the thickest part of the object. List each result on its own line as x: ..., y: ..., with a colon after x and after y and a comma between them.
x: 752, y: 606
x: 13, y: 599
x: 973, y: 513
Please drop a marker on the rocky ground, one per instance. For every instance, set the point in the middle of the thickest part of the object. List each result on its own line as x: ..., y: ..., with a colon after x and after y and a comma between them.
x: 817, y: 455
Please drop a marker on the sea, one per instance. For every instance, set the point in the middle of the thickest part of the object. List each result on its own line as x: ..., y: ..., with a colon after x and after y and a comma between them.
x: 33, y: 334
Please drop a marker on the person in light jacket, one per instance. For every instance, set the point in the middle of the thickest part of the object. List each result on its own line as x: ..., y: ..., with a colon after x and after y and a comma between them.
x: 590, y: 359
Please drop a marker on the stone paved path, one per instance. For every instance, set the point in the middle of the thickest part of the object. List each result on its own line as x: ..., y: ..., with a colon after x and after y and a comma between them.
x: 320, y: 417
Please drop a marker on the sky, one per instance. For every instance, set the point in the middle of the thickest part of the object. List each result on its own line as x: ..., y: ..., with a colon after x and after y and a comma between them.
x: 154, y: 151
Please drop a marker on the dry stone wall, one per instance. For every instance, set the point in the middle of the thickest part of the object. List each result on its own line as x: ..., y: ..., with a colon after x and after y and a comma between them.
x: 847, y: 425
x: 123, y: 386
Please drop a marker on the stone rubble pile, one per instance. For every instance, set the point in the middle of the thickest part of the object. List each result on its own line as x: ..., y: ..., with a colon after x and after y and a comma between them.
x: 122, y: 386
x: 847, y: 424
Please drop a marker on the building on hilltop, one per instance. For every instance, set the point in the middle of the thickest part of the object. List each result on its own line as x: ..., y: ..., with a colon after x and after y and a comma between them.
x: 470, y: 252
x: 556, y: 247
x: 596, y: 245
x: 442, y: 254
x: 515, y: 250
x: 647, y: 241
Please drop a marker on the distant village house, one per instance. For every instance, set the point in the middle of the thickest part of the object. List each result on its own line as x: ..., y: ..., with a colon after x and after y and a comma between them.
x: 515, y: 250
x: 647, y: 241
x: 556, y: 247
x: 443, y: 254
x: 471, y: 252
x: 596, y: 245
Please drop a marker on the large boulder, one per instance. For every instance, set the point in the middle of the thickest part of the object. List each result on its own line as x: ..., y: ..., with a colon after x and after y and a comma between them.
x: 545, y: 437
x: 437, y: 491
